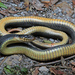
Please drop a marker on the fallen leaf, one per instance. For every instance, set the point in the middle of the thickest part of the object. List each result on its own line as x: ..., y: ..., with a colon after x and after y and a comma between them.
x: 73, y: 69
x: 52, y: 2
x: 56, y: 72
x: 12, y: 12
x: 46, y: 3
x: 65, y: 7
x: 62, y: 61
x: 73, y: 63
x: 16, y: 1
x: 35, y: 72
x: 70, y: 40
x: 37, y: 4
x: 4, y: 13
x: 19, y: 8
x: 72, y: 66
x: 26, y: 4
x: 73, y: 1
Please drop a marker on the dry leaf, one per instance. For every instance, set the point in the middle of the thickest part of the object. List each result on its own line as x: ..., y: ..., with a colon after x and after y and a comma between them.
x: 73, y: 63
x: 12, y: 12
x: 37, y: 4
x: 16, y: 1
x: 73, y: 69
x: 26, y: 4
x: 4, y: 13
x: 56, y: 72
x: 45, y: 1
x: 52, y: 2
x: 27, y: 8
x: 48, y: 3
x: 65, y: 7
x: 19, y: 8
x: 62, y: 61
x: 73, y: 2
x: 35, y: 72
x: 70, y: 40
x: 73, y: 66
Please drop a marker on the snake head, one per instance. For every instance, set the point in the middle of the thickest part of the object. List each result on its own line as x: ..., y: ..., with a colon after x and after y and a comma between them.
x: 25, y: 38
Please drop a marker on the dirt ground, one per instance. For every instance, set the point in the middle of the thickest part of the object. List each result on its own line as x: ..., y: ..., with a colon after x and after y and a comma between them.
x: 55, y: 9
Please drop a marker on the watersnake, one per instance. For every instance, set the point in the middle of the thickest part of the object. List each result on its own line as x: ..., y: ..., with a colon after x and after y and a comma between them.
x: 34, y: 22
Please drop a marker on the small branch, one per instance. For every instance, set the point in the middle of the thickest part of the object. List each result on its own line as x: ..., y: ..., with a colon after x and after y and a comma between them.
x: 60, y: 67
x: 3, y: 60
x: 44, y: 64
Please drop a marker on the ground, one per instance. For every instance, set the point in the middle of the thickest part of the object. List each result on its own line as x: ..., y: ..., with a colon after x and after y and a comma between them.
x: 56, y: 9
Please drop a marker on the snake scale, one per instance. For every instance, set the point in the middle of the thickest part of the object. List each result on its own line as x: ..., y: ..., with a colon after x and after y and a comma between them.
x: 38, y: 54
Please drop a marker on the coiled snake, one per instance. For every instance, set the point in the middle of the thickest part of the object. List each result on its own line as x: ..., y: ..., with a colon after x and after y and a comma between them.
x: 38, y: 25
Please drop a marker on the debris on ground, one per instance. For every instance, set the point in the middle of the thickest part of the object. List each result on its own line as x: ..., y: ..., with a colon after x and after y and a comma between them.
x: 55, y: 9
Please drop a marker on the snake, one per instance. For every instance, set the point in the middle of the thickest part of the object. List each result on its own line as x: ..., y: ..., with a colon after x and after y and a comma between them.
x: 38, y: 25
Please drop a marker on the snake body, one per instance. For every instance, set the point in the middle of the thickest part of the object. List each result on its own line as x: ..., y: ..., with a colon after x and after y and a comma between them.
x: 42, y: 55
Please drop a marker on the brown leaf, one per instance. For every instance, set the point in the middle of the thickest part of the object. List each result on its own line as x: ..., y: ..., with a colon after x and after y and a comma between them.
x: 19, y: 8
x: 73, y: 63
x: 45, y: 1
x: 27, y: 8
x: 12, y: 12
x: 73, y: 66
x: 70, y: 40
x: 4, y: 13
x: 56, y: 72
x: 35, y: 72
x: 26, y: 4
x: 73, y: 69
x: 48, y: 3
x: 65, y: 7
x: 73, y: 1
x: 16, y: 1
x: 37, y: 4
x: 52, y: 2
x: 62, y: 61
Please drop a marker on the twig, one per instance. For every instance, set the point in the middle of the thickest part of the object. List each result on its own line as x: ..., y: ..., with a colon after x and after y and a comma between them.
x: 60, y: 67
x: 3, y: 60
x: 69, y: 57
x: 44, y: 64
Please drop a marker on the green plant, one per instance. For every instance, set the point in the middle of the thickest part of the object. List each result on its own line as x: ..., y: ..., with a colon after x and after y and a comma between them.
x: 16, y: 70
x: 2, y: 5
